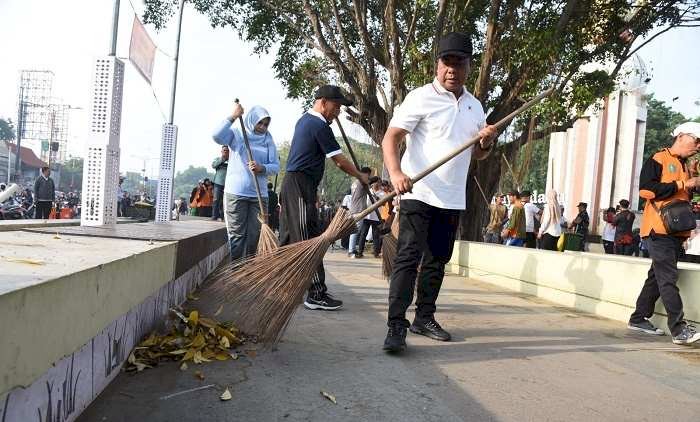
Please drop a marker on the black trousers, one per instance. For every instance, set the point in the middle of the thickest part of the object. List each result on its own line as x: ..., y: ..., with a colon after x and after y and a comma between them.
x: 609, y: 247
x: 376, y: 237
x: 426, y: 238
x: 549, y: 242
x: 530, y: 240
x: 43, y: 209
x: 661, y: 282
x: 624, y: 250
x: 218, y: 207
x: 299, y: 219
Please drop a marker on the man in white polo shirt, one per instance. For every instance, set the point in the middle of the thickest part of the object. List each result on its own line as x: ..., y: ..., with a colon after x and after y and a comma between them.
x: 434, y: 119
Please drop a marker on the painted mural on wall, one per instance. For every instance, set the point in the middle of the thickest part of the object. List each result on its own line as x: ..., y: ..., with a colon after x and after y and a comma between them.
x: 74, y: 382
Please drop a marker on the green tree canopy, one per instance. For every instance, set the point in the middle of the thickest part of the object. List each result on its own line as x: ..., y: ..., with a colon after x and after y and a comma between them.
x: 661, y: 120
x: 7, y: 130
x: 335, y: 183
x: 380, y: 49
x: 71, y: 175
x: 187, y: 179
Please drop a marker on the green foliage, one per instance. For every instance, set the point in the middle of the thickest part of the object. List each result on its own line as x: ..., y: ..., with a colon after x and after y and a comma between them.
x: 661, y: 120
x: 71, y: 175
x: 7, y: 130
x: 186, y: 180
x: 335, y: 183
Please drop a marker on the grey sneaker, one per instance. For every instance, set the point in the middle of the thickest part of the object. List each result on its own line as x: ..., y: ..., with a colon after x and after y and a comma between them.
x: 687, y: 335
x: 645, y: 327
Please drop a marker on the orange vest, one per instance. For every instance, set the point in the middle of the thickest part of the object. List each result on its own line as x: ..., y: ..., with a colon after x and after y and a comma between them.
x: 672, y: 171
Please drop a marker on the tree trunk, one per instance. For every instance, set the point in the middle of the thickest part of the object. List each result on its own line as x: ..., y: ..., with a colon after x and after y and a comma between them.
x: 476, y: 216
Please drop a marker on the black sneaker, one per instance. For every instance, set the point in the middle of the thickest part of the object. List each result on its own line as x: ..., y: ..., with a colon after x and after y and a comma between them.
x: 324, y: 302
x: 687, y: 335
x: 395, y: 339
x: 430, y: 328
x: 645, y: 327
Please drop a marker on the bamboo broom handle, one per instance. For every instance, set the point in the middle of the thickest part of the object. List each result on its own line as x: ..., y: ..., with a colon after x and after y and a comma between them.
x: 453, y: 154
x: 263, y: 212
x: 483, y: 195
x: 357, y: 166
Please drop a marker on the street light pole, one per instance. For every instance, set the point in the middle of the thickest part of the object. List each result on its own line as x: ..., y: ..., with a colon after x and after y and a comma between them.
x: 20, y: 130
x: 115, y: 28
x: 168, y: 145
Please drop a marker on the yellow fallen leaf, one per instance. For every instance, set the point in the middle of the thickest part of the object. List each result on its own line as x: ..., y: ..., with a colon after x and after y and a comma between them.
x: 224, y: 342
x: 140, y: 366
x: 194, y: 317
x: 329, y: 396
x: 218, y: 311
x: 199, y: 375
x: 132, y: 358
x: 179, y: 352
x: 212, y: 332
x: 24, y: 261
x: 226, y: 395
x: 222, y: 356
x: 198, y: 341
x: 190, y: 296
x: 234, y: 356
x: 189, y: 355
x: 183, y: 367
x: 208, y: 322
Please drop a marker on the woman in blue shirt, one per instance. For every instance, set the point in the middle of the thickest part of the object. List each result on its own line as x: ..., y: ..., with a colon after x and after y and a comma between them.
x: 241, y: 209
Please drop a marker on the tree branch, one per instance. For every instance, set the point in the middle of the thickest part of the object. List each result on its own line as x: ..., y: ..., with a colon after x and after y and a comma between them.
x: 343, y: 38
x: 410, y: 33
x: 482, y: 82
x: 331, y: 54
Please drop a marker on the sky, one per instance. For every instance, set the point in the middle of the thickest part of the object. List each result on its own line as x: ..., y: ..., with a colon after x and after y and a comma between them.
x: 215, y: 67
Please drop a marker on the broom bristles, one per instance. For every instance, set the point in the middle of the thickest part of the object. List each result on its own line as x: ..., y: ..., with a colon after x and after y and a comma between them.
x: 389, y: 244
x: 265, y: 290
x: 268, y: 240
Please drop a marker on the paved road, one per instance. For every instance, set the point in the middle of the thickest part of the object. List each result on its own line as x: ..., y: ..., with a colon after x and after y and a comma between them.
x: 512, y: 358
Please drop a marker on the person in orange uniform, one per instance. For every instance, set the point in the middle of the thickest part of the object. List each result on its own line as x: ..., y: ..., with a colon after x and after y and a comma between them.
x: 205, y: 199
x: 664, y: 178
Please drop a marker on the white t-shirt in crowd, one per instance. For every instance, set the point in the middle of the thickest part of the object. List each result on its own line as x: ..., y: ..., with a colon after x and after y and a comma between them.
x: 438, y: 123
x: 609, y: 232
x: 549, y: 227
x: 346, y: 201
x: 373, y: 215
x: 530, y: 211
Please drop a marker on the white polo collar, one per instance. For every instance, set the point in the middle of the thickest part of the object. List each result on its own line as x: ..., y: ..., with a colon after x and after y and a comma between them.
x: 317, y: 114
x: 441, y: 89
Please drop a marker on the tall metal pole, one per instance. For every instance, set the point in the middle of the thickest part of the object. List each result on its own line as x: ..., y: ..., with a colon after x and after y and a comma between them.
x: 168, y: 146
x: 115, y: 28
x: 171, y: 116
x: 20, y: 130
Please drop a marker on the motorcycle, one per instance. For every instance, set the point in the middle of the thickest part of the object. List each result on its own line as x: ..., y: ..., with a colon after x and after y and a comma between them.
x: 13, y: 210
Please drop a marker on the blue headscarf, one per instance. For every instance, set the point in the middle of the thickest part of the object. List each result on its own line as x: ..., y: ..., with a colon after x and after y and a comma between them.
x: 252, y: 118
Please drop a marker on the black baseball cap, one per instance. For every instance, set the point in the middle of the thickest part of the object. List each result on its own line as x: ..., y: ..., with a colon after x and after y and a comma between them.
x: 333, y: 93
x: 455, y: 44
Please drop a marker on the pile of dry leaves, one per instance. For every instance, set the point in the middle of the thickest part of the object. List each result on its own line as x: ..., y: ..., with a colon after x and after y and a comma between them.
x: 193, y: 338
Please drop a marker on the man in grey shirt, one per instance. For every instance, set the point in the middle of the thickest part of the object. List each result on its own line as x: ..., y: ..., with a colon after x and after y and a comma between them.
x: 358, y: 202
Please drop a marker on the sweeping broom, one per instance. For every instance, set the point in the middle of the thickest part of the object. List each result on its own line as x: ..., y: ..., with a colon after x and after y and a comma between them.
x: 265, y: 290
x: 267, y: 240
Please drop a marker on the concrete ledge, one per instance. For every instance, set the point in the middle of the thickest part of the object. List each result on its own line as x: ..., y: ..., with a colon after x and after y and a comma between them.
x: 604, y: 285
x: 11, y: 225
x: 70, y: 321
